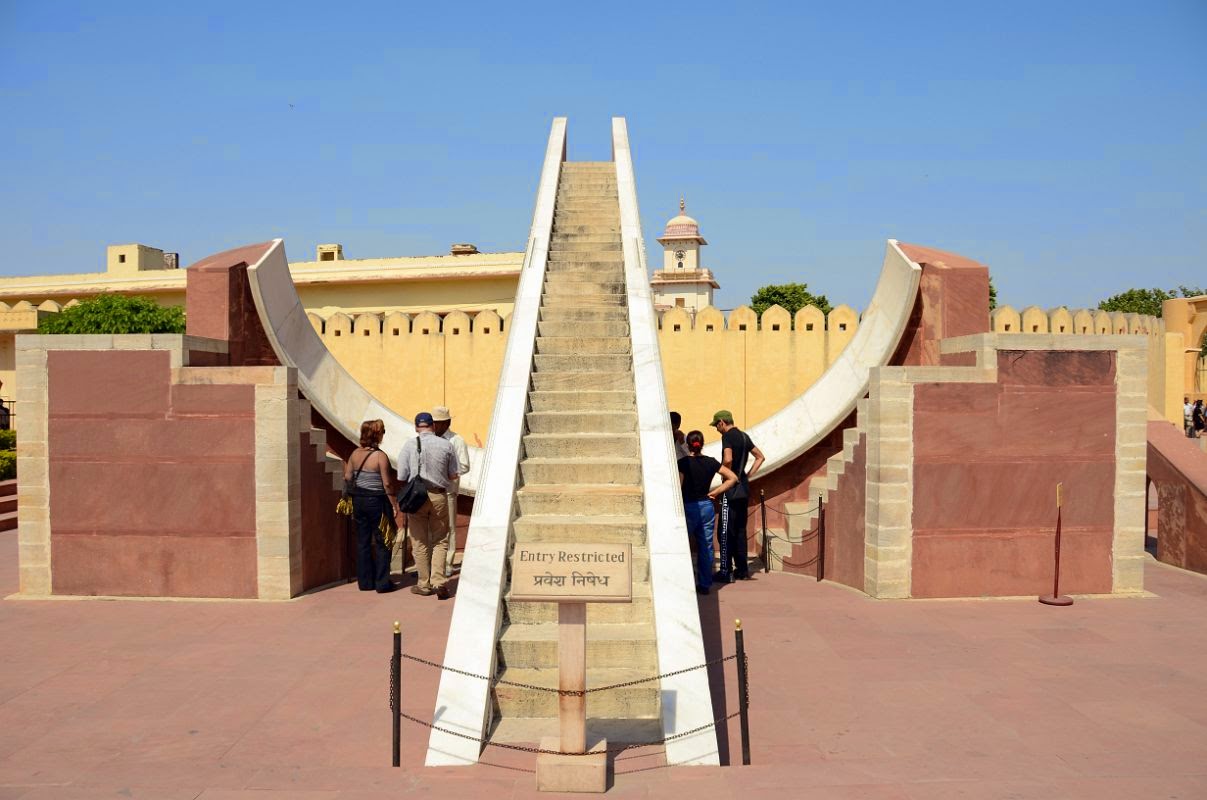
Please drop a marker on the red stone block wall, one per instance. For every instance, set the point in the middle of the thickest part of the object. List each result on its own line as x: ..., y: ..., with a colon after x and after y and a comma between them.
x: 845, y: 530
x: 328, y: 554
x: 987, y: 458
x: 953, y: 300
x: 1179, y: 469
x: 151, y: 485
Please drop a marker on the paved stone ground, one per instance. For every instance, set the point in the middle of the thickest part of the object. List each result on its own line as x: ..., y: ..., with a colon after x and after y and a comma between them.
x: 852, y: 698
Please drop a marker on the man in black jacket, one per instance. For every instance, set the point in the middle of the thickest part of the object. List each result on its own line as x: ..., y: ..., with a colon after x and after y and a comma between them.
x: 736, y: 448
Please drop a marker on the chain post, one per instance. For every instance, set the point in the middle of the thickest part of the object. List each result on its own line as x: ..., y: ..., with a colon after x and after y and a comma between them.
x: 766, y: 552
x: 821, y: 538
x: 743, y: 692
x: 396, y: 693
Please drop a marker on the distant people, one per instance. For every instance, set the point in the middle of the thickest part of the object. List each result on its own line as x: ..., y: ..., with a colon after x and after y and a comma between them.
x: 434, y: 460
x: 1188, y: 415
x: 6, y: 415
x: 367, y: 479
x: 1197, y: 418
x: 736, y: 448
x: 676, y: 431
x: 442, y: 419
x: 696, y: 472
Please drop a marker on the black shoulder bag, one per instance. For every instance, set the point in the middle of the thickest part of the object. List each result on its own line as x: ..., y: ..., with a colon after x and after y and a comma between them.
x: 412, y: 496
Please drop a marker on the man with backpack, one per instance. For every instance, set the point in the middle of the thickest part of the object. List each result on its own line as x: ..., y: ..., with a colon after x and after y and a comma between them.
x: 736, y: 448
x: 434, y: 460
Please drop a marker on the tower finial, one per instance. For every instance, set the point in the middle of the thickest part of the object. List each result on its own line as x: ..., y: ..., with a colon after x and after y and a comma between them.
x: 682, y: 205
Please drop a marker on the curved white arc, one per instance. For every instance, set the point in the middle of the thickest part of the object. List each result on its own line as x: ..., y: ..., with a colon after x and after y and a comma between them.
x: 822, y: 407
x: 331, y: 389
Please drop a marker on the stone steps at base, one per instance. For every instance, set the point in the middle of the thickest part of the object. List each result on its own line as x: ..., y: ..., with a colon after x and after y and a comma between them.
x: 558, y: 300
x: 624, y: 645
x: 556, y: 246
x: 580, y: 499
x: 581, y: 470
x: 569, y: 345
x: 564, y: 259
x: 597, y: 314
x: 641, y: 700
x: 640, y: 610
x: 556, y: 528
x: 580, y: 445
x: 8, y: 504
x: 8, y: 520
x: 530, y: 730
x: 620, y: 400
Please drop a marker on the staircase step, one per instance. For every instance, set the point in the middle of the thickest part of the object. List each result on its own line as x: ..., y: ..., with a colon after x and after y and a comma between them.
x: 598, y: 314
x: 581, y: 470
x: 596, y: 381
x: 553, y: 528
x: 583, y: 363
x: 559, y: 421
x: 580, y: 499
x: 583, y: 300
x: 556, y: 246
x: 530, y: 730
x: 566, y: 345
x: 8, y: 503
x: 607, y: 646
x: 641, y: 700
x: 595, y: 230
x: 606, y: 329
x: 580, y: 445
x: 8, y: 521
x: 583, y: 283
x: 622, y: 400
x: 525, y: 613
x: 8, y: 487
x: 611, y: 258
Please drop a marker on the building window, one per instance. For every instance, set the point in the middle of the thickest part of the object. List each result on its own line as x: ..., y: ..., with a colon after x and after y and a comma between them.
x: 121, y: 259
x: 680, y: 264
x: 679, y: 302
x: 327, y: 256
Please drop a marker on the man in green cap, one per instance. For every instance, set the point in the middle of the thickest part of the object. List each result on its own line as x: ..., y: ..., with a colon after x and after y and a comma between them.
x: 736, y: 448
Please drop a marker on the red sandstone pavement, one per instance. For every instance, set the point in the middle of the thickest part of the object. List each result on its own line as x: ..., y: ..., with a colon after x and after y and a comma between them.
x: 852, y: 698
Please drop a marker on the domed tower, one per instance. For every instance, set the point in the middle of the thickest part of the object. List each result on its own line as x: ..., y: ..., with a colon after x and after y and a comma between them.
x: 682, y: 281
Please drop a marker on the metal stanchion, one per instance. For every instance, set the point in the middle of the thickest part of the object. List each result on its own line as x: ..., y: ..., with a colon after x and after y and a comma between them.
x: 763, y: 508
x: 821, y: 538
x: 743, y: 694
x: 396, y: 693
x: 1056, y: 598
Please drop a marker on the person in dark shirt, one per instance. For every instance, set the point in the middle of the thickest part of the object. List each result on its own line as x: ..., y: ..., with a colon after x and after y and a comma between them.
x: 695, y: 476
x: 736, y: 448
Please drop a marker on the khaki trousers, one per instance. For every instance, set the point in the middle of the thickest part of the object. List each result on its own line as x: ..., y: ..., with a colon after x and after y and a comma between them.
x: 429, y: 540
x: 452, y: 526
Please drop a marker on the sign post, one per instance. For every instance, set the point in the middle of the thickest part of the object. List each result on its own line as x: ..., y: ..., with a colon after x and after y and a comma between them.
x: 572, y: 575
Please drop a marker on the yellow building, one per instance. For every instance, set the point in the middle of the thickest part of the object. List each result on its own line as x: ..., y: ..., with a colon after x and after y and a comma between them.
x: 465, y: 280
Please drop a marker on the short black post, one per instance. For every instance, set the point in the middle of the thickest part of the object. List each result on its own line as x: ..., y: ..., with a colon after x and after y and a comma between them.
x: 743, y: 693
x: 396, y: 693
x: 766, y: 552
x: 821, y: 538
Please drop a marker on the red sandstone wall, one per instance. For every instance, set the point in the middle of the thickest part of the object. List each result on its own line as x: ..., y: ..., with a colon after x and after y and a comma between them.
x: 953, y: 300
x: 987, y: 459
x: 151, y: 485
x: 328, y: 554
x: 1179, y: 469
x: 845, y: 522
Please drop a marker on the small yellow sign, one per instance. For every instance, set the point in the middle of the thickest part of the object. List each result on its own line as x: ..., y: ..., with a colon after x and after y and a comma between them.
x: 572, y: 573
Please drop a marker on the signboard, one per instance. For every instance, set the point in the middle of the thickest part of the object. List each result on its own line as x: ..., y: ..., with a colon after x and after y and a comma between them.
x: 574, y: 572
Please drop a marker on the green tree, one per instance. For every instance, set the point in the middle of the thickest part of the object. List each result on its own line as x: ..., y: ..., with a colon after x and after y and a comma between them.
x: 792, y: 297
x: 1146, y: 301
x: 992, y: 294
x: 115, y: 313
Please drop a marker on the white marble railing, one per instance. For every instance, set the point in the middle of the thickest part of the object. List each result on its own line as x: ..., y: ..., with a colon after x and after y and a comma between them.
x: 463, y: 703
x: 686, y: 699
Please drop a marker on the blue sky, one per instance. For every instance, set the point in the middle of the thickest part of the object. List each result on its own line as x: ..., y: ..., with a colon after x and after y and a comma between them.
x: 1064, y: 144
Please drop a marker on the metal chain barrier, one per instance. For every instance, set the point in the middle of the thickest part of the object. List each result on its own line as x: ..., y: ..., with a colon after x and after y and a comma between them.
x: 744, y: 692
x: 566, y: 692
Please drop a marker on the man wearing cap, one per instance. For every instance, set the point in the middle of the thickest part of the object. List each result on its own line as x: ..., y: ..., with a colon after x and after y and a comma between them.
x: 434, y: 460
x: 442, y: 419
x: 736, y: 448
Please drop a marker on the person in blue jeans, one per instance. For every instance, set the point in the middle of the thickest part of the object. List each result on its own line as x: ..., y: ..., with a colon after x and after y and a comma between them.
x: 696, y: 472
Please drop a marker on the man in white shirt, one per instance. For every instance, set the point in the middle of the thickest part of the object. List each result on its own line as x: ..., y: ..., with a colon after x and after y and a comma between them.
x: 442, y: 419
x: 1188, y: 414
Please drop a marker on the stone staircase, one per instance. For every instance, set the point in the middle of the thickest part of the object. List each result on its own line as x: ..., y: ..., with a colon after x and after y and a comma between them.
x: 8, y: 505
x: 802, y: 519
x: 581, y: 475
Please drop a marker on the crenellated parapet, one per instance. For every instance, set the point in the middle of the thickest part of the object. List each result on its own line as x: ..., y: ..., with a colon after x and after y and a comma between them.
x: 1080, y: 321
